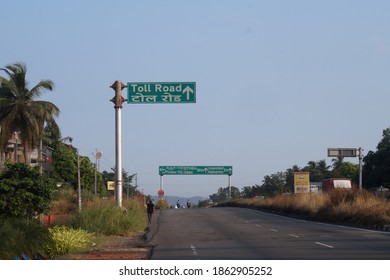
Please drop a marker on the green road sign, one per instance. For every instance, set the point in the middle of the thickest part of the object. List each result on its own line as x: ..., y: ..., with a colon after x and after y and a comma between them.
x: 196, y: 170
x: 172, y: 92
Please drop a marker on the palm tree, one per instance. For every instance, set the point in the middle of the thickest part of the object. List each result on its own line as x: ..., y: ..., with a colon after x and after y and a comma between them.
x: 21, y: 112
x: 337, y: 162
x: 323, y: 168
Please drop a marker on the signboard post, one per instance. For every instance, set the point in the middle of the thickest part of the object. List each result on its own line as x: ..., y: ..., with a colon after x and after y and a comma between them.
x: 118, y: 100
x: 161, y: 92
x: 144, y: 93
x: 111, y: 185
x: 342, y: 152
x: 196, y: 170
x: 301, y: 182
x: 349, y: 152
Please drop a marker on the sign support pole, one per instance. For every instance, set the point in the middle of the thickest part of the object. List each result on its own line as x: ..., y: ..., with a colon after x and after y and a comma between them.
x: 230, y: 186
x: 161, y: 183
x: 118, y: 86
x: 360, y: 169
x: 349, y: 152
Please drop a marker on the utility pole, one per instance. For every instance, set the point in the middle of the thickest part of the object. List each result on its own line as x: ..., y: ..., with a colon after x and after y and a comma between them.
x: 118, y: 100
x: 79, y: 180
x: 360, y: 169
x: 95, y: 171
x: 98, y: 156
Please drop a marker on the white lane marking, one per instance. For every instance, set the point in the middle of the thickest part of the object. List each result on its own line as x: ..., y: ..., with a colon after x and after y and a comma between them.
x: 322, y: 244
x: 293, y: 235
x: 324, y: 224
x: 272, y: 229
x: 193, y: 248
x: 258, y: 225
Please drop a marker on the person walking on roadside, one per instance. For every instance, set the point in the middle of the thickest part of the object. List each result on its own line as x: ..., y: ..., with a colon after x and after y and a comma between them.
x: 150, y: 210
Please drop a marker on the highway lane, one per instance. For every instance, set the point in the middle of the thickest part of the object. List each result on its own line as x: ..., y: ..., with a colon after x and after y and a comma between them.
x: 245, y: 234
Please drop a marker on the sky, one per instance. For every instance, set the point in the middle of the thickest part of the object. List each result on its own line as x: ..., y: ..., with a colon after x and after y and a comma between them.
x: 277, y: 82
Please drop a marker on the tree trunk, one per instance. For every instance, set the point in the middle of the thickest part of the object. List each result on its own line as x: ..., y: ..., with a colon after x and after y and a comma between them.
x: 27, y: 155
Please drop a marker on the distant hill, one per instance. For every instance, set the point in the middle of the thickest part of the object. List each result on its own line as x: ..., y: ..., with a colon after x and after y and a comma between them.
x: 183, y: 200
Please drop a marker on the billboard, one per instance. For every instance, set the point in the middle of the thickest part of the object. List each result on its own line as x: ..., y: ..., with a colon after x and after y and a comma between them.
x: 342, y: 152
x: 301, y: 182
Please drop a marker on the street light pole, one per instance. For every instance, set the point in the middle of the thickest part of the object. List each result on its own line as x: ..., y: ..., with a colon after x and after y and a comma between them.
x: 118, y: 86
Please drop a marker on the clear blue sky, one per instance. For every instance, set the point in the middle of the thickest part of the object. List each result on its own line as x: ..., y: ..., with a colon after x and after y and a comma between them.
x: 278, y: 82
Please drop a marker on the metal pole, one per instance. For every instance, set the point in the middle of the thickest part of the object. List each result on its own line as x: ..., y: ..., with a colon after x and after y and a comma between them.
x: 98, y: 165
x: 79, y: 180
x: 360, y: 169
x: 161, y: 182
x: 96, y: 172
x: 230, y: 187
x: 118, y: 100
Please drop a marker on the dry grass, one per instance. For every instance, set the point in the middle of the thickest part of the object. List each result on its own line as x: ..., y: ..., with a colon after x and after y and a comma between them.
x: 353, y: 208
x: 66, y: 202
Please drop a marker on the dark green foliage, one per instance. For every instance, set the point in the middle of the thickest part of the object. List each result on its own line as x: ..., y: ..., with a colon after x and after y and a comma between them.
x: 21, y: 238
x: 129, y: 186
x: 223, y: 194
x: 376, y: 171
x: 64, y: 163
x: 24, y: 192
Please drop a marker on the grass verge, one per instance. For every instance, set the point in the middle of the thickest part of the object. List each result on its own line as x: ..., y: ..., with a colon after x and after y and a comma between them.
x: 103, y: 217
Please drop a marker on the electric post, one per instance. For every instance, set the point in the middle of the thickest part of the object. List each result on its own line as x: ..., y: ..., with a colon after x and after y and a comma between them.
x: 79, y: 180
x: 360, y: 168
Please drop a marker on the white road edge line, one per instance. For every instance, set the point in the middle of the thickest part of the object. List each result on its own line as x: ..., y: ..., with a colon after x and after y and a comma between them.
x: 322, y: 244
x: 325, y: 224
x: 193, y: 248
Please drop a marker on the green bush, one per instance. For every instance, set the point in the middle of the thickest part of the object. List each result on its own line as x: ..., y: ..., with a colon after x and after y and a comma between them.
x: 66, y: 240
x: 22, y: 238
x: 24, y: 192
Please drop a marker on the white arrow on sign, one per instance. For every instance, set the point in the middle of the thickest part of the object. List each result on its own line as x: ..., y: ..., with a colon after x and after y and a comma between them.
x: 188, y: 90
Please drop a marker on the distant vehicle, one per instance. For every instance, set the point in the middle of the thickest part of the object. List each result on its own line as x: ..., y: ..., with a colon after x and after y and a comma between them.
x: 336, y: 183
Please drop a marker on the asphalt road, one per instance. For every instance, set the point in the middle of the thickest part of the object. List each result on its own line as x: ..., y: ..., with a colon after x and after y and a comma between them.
x: 245, y: 234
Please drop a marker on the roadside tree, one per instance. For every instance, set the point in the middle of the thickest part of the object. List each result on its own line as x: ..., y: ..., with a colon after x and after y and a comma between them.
x: 24, y: 192
x: 21, y: 112
x: 376, y: 170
